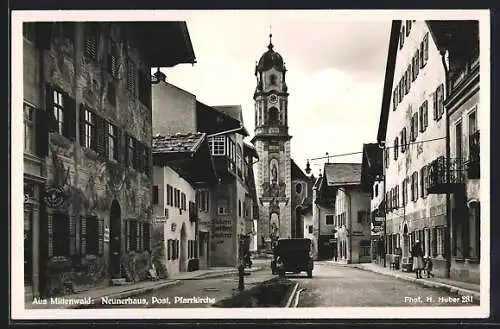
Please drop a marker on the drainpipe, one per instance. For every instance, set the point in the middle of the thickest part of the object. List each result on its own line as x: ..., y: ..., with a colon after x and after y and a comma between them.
x: 448, y: 251
x: 384, y: 238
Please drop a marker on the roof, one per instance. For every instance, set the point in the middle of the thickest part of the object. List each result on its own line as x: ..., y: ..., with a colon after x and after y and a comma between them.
x: 389, y: 78
x: 234, y: 111
x: 178, y: 143
x: 340, y: 174
x: 372, y: 164
x: 248, y: 148
x: 297, y: 173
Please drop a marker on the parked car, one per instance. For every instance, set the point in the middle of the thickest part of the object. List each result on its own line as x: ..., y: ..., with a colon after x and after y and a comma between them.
x: 293, y: 256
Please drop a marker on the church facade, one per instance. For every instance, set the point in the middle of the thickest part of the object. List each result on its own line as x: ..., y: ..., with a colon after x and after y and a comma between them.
x: 272, y: 143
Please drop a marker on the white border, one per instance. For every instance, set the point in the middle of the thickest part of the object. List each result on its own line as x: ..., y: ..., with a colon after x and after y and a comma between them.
x: 17, y: 284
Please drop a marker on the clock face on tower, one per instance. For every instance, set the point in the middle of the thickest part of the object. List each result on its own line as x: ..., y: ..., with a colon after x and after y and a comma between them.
x: 273, y: 99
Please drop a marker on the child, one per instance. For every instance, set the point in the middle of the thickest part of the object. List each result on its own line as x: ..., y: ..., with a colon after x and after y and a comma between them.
x: 428, y: 266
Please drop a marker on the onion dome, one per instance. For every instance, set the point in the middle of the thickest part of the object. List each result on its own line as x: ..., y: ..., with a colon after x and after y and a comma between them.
x: 270, y: 59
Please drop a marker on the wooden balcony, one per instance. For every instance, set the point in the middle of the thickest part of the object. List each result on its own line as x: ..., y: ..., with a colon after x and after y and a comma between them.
x: 443, y: 177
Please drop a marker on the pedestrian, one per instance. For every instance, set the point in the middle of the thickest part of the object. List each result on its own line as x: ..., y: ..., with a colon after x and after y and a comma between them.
x: 428, y: 267
x: 418, y: 261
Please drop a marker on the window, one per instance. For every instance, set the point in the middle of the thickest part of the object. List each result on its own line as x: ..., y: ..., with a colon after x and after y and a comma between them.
x: 472, y: 122
x: 222, y: 210
x: 414, y: 186
x: 423, y: 122
x: 131, y: 149
x: 203, y: 201
x: 217, y: 145
x: 414, y: 127
x: 155, y: 194
x: 403, y: 140
x: 401, y: 90
x: 239, y: 208
x: 376, y: 190
x: 131, y: 76
x: 29, y: 128
x: 145, y: 88
x: 170, y: 195
x: 396, y: 191
x: 362, y: 216
x: 404, y: 190
x: 91, y: 40
x: 408, y: 79
x: 439, y: 101
x: 60, y: 235
x: 112, y: 142
x: 273, y: 79
x: 176, y: 198
x: 329, y: 219
x: 183, y: 201
x: 396, y: 148
x: 310, y: 229
x: 423, y: 185
x: 146, y: 237
x: 58, y: 104
x: 298, y: 188
x: 424, y: 50
x: 90, y: 130
x: 239, y: 159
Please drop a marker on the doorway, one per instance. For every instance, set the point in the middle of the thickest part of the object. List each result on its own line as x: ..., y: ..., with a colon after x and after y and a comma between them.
x: 406, y: 243
x: 115, y: 231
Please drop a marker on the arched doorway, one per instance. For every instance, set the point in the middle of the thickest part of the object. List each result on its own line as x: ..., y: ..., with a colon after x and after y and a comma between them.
x: 115, y: 230
x: 182, y: 251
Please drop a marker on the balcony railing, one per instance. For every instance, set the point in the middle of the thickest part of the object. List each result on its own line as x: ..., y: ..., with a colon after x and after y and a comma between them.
x: 473, y: 165
x: 443, y: 177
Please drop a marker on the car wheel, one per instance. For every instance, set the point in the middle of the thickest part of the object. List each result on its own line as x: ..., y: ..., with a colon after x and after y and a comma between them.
x: 310, y: 274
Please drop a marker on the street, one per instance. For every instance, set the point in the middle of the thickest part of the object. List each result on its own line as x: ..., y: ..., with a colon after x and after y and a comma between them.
x: 331, y: 286
x: 336, y: 285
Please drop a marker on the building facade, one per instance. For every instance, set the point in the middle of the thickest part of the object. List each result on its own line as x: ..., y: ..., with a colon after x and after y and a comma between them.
x: 180, y: 168
x: 413, y: 130
x: 323, y: 213
x: 272, y: 142
x: 88, y: 179
x: 458, y: 174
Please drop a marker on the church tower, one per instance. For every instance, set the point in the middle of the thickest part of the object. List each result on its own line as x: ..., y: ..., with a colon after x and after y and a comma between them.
x: 272, y: 142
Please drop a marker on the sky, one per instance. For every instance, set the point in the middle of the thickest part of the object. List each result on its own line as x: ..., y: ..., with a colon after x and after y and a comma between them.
x: 336, y: 69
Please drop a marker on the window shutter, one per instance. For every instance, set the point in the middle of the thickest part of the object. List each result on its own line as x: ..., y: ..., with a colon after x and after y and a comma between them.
x: 415, y: 122
x: 105, y: 134
x: 420, y: 118
x: 101, y: 236
x: 42, y: 133
x: 83, y: 235
x: 426, y: 47
x: 441, y: 100
x: 421, y: 55
x: 426, y: 114
x: 147, y: 160
x: 100, y: 146
x: 137, y: 155
x: 434, y: 104
x: 49, y: 107
x: 69, y: 129
x: 118, y: 145
x: 127, y: 236
x: 72, y: 235
x: 82, y: 125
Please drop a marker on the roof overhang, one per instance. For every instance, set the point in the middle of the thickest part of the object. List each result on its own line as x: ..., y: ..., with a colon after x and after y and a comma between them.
x: 165, y: 44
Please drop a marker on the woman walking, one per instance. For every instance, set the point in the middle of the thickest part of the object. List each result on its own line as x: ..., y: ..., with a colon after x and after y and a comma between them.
x: 418, y: 260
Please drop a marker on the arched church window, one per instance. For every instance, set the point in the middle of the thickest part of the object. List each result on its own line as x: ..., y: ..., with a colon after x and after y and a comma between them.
x: 273, y: 79
x: 273, y: 115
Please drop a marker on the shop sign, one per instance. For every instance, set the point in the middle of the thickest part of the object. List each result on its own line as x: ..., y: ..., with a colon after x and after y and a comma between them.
x: 378, y: 220
x: 54, y: 197
x: 159, y: 219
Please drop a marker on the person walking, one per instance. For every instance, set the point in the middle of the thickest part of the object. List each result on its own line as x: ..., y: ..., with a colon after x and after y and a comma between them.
x: 418, y: 260
x: 428, y: 267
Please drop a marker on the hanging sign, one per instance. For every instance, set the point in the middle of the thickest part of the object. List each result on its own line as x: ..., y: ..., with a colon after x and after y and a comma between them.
x: 54, y: 197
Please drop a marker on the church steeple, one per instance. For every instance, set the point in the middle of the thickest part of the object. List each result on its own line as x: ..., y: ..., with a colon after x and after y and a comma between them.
x: 271, y: 94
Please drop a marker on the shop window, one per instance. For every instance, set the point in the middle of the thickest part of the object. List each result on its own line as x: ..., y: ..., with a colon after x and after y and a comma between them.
x: 329, y: 219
